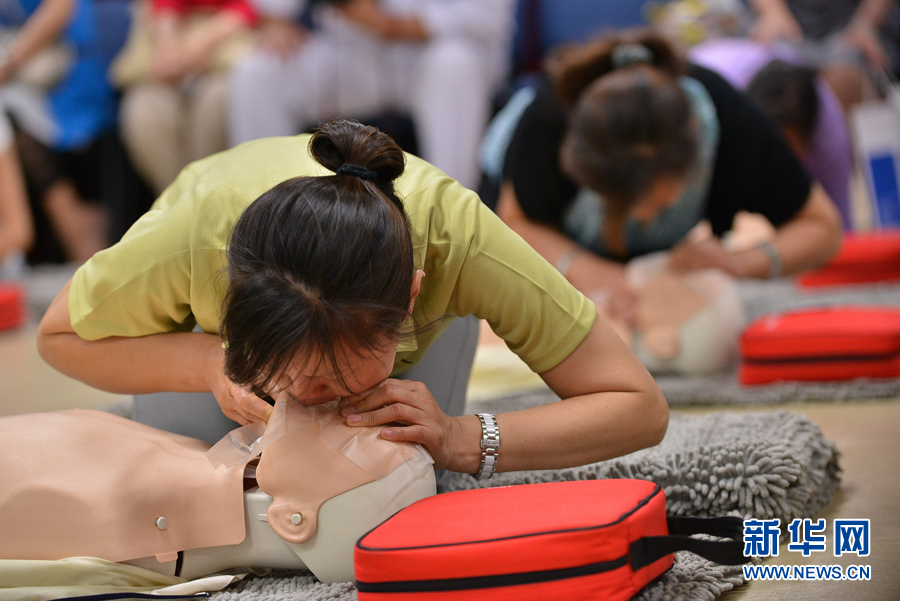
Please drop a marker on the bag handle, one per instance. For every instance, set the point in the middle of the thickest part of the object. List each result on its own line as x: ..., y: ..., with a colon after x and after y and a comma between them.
x: 648, y: 549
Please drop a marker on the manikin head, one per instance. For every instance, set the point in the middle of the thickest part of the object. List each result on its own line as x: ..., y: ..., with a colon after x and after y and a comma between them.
x: 321, y: 273
x: 310, y: 455
x: 332, y: 483
x: 688, y: 322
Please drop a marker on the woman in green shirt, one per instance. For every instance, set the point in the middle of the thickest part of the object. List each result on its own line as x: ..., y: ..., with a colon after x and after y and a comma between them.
x: 327, y: 265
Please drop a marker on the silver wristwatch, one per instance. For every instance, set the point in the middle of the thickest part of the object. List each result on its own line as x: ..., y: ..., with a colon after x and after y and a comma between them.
x: 775, y: 265
x: 490, y: 445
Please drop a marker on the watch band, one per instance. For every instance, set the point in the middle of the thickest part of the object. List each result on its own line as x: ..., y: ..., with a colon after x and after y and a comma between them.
x: 490, y: 445
x: 775, y: 265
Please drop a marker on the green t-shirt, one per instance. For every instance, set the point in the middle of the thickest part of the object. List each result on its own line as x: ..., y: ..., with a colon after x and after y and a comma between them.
x: 167, y: 273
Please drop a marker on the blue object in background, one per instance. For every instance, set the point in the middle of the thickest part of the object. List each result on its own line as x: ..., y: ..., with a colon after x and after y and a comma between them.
x: 579, y: 20
x: 543, y: 24
x: 885, y: 188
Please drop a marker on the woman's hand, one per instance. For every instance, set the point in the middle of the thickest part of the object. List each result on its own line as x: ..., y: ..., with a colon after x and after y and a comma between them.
x: 200, y: 43
x: 366, y: 13
x: 369, y: 14
x: 236, y: 402
x: 167, y: 64
x: 196, y: 55
x: 411, y: 404
x: 707, y: 253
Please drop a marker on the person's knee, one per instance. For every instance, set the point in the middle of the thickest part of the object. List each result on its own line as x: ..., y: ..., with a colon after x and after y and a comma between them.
x: 147, y: 109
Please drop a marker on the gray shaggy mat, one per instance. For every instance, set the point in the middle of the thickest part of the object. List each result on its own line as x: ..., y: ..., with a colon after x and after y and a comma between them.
x: 773, y: 464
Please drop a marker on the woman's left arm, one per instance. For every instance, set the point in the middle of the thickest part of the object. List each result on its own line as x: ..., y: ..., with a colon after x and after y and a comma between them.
x: 805, y: 241
x: 611, y: 407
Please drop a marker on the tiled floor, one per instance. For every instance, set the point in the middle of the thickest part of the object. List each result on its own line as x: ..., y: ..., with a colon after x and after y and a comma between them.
x: 866, y: 433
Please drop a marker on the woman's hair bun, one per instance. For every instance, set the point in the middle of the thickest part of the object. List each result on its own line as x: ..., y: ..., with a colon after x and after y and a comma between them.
x: 575, y: 67
x: 343, y: 141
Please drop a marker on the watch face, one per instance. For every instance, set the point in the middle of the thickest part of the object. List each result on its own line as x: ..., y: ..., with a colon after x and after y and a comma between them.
x: 490, y: 444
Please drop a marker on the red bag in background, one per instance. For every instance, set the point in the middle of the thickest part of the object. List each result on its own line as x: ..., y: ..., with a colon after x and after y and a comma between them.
x: 12, y: 306
x: 592, y: 539
x: 840, y: 343
x: 873, y: 257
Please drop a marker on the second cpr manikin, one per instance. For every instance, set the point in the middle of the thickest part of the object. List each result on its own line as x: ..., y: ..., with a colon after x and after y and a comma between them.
x: 88, y: 483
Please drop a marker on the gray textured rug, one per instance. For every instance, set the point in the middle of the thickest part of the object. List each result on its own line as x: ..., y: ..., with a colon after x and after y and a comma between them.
x: 765, y: 297
x: 773, y: 464
x: 724, y: 389
x: 761, y: 297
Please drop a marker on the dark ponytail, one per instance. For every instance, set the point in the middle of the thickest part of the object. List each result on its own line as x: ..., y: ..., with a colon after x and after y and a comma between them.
x: 629, y: 124
x: 320, y: 265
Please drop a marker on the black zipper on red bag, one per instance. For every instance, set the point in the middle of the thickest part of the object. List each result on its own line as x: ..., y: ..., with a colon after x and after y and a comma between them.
x: 483, y: 582
x: 822, y: 359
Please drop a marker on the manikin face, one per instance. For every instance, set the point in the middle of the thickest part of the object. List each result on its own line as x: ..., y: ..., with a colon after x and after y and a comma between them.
x: 312, y: 381
x: 666, y: 191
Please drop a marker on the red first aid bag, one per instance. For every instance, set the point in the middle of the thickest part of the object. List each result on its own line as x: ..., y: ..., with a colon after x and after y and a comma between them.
x: 592, y: 539
x: 863, y: 258
x: 12, y: 306
x: 840, y: 343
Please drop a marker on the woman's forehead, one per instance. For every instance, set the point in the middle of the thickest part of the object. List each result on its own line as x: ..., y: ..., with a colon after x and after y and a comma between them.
x: 354, y: 369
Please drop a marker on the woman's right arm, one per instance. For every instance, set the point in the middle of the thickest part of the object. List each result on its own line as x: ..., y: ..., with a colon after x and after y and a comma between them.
x: 175, y: 361
x: 597, y: 278
x: 172, y: 361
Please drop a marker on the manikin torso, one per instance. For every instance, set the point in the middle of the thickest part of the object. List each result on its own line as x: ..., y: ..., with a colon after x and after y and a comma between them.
x: 687, y: 322
x: 86, y: 483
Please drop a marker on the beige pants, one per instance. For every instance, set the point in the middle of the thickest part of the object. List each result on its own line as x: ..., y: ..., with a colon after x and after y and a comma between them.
x: 165, y: 127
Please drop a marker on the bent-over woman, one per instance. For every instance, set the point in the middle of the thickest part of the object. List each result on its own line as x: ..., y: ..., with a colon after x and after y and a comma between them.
x: 625, y: 148
x: 326, y: 265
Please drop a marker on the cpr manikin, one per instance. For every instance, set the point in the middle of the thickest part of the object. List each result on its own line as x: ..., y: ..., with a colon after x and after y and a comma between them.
x: 87, y: 483
x: 687, y: 322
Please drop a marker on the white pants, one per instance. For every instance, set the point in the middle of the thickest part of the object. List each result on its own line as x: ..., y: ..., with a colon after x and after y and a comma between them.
x: 445, y: 84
